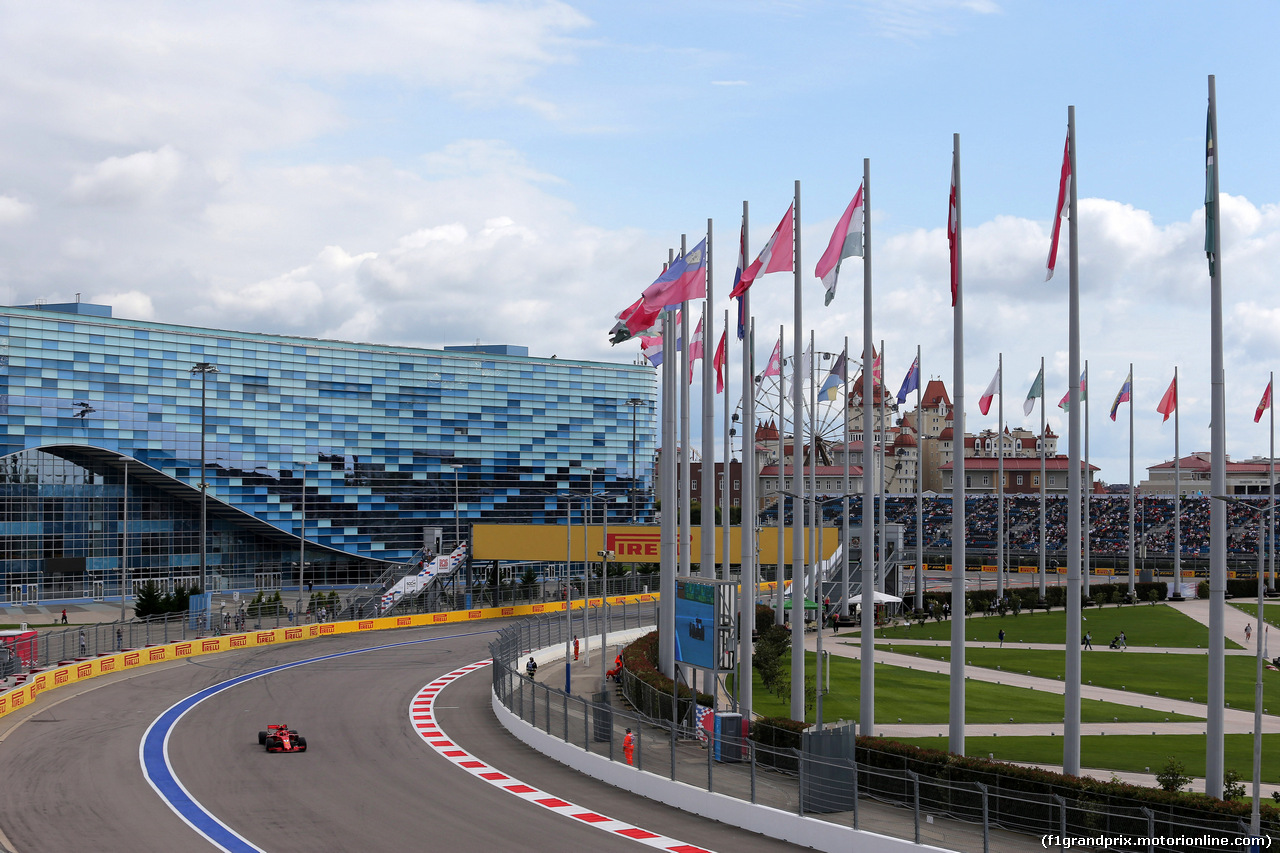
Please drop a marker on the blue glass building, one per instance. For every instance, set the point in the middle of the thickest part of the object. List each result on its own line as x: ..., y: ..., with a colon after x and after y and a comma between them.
x: 384, y: 438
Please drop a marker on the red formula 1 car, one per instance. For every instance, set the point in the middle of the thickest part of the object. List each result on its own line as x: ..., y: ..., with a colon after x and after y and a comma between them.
x: 281, y: 738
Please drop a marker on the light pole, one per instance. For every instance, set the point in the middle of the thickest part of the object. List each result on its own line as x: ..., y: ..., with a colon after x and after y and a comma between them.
x: 302, y: 544
x: 635, y: 403
x: 1255, y: 818
x: 124, y: 539
x: 204, y: 368
x: 457, y: 530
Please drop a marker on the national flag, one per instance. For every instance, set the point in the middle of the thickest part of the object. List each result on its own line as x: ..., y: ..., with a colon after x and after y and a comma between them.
x: 846, y: 242
x: 834, y: 383
x: 1264, y: 405
x: 651, y: 348
x: 634, y: 319
x: 1169, y: 401
x: 953, y: 224
x: 1210, y: 191
x: 774, y: 368
x: 984, y: 402
x: 876, y: 368
x: 911, y: 382
x: 1062, y: 210
x: 806, y: 366
x: 717, y: 361
x: 1064, y: 403
x: 737, y: 278
x: 695, y: 348
x: 1124, y: 395
x: 776, y: 256
x: 1037, y: 390
x: 685, y: 279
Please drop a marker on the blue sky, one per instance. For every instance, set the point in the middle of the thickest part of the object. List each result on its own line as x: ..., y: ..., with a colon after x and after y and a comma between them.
x: 441, y: 172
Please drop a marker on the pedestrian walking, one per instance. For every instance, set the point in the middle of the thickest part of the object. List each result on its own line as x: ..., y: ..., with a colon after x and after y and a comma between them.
x: 575, y: 646
x: 64, y: 616
x: 1248, y: 632
x: 1001, y: 636
x: 1124, y: 641
x: 1088, y: 640
x: 629, y: 747
x: 84, y: 646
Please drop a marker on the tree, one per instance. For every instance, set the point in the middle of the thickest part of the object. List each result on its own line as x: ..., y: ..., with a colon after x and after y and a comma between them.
x: 149, y: 601
x: 1232, y: 785
x: 1174, y: 776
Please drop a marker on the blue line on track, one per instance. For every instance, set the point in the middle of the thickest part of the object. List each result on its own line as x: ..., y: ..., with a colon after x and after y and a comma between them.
x: 153, y: 753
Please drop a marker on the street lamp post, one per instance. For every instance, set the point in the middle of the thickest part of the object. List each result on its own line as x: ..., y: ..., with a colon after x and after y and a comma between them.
x: 302, y: 543
x: 204, y: 368
x: 124, y: 540
x: 635, y: 403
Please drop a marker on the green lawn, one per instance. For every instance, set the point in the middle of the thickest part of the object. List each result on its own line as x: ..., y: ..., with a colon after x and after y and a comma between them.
x: 1176, y: 676
x: 1272, y: 613
x: 1144, y: 624
x: 915, y: 697
x: 1134, y: 753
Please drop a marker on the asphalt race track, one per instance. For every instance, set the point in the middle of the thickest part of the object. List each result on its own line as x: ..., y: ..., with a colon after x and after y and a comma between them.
x: 73, y: 780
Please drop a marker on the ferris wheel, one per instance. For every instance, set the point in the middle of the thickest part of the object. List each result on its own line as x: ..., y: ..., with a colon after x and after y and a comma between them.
x: 773, y: 397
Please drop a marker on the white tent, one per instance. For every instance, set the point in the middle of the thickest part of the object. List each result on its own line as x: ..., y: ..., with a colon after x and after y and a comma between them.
x: 880, y: 598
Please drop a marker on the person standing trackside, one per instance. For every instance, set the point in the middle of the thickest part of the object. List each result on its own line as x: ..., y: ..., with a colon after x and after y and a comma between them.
x: 84, y: 647
x: 119, y: 639
x: 629, y: 747
x: 575, y: 646
x: 531, y: 668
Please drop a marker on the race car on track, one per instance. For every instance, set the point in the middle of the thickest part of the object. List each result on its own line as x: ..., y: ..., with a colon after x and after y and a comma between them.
x: 281, y: 738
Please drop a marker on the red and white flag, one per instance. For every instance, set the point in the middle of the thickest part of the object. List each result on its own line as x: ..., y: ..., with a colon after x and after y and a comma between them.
x: 984, y: 402
x: 1061, y: 211
x: 695, y: 348
x: 1264, y: 405
x: 717, y: 361
x: 1169, y: 401
x: 776, y: 256
x: 774, y: 367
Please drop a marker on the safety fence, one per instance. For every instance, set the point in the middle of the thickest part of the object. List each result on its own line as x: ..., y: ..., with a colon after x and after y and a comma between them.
x: 829, y: 778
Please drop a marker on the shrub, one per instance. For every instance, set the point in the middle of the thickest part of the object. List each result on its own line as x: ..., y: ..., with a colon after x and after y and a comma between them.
x: 1174, y: 775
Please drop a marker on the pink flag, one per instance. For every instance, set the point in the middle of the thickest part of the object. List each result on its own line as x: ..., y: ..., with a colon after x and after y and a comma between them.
x: 1061, y: 211
x: 984, y: 402
x: 717, y: 362
x: 776, y: 256
x: 774, y: 367
x: 684, y: 280
x: 637, y: 317
x: 1169, y: 401
x: 953, y: 235
x: 846, y: 242
x: 1264, y: 405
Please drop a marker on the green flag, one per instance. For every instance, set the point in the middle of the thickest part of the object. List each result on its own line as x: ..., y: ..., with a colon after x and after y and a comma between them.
x: 1037, y: 390
x: 1210, y: 193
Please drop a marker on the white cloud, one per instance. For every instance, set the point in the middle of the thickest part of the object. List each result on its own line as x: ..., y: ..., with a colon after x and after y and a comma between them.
x: 13, y: 211
x: 140, y: 177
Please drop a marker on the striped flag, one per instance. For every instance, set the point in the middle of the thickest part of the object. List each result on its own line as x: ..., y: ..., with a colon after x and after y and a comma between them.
x: 776, y: 256
x: 846, y: 242
x: 1037, y: 390
x: 1124, y: 395
x: 984, y: 402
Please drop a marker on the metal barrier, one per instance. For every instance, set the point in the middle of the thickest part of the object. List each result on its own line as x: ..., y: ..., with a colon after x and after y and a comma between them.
x: 964, y: 815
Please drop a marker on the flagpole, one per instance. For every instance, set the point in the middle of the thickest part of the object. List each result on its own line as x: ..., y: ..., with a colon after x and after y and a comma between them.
x: 1000, y: 482
x: 882, y: 579
x: 956, y: 733
x: 1132, y: 500
x: 707, y: 564
x: 747, y: 524
x: 1071, y: 676
x: 667, y: 541
x: 867, y: 680
x: 919, y: 487
x: 1271, y: 488
x: 782, y: 470
x: 1218, y: 486
x: 1087, y: 568
x: 1044, y: 446
x: 725, y: 494
x: 811, y: 539
x: 686, y: 516
x: 1177, y: 495
x: 797, y: 520
x: 845, y: 501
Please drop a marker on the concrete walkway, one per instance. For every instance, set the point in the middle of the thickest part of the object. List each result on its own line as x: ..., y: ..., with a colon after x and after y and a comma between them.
x: 1235, y: 721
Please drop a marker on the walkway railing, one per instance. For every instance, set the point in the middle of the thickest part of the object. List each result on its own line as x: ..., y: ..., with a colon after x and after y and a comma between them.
x: 964, y: 810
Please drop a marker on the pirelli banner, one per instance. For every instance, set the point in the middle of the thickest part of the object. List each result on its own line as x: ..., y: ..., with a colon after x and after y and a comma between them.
x: 630, y: 543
